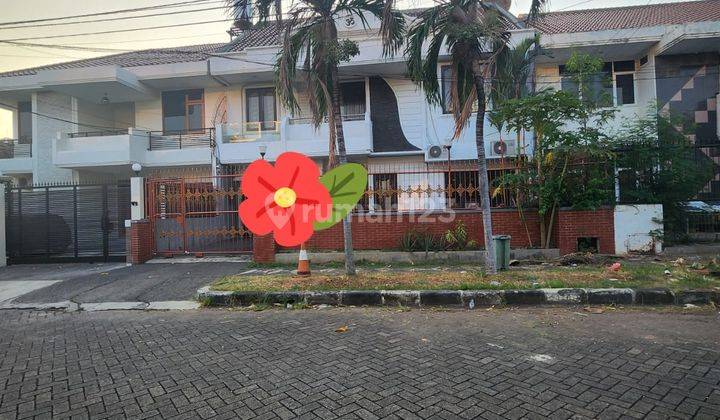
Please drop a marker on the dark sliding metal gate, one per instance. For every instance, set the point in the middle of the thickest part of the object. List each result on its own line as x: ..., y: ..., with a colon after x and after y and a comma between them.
x: 74, y: 222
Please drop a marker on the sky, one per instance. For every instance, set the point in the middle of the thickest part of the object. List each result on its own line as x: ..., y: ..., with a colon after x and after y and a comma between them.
x: 211, y: 18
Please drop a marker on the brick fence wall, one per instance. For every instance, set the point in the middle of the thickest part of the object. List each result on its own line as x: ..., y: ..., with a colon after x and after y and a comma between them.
x: 384, y: 231
x: 572, y: 225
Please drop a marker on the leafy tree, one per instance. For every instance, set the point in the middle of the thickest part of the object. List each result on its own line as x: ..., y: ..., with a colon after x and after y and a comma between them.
x: 569, y: 144
x: 474, y: 32
x: 658, y: 164
x: 311, y: 46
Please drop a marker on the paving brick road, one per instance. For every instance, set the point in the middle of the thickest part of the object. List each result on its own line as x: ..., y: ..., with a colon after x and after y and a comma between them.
x: 509, y: 363
x: 83, y: 283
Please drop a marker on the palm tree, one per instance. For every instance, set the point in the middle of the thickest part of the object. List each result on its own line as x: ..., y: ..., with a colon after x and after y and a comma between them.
x: 310, y: 45
x: 475, y: 33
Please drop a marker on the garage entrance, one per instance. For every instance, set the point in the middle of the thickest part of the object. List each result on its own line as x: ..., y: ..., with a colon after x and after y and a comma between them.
x: 66, y: 223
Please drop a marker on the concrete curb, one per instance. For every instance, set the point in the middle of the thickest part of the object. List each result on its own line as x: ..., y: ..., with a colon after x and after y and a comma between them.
x: 462, y: 298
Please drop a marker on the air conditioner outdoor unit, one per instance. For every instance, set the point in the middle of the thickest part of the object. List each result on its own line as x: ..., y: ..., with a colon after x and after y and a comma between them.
x: 436, y: 154
x: 503, y: 148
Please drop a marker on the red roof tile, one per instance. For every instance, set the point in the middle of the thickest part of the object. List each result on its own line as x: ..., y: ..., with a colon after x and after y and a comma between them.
x: 629, y: 17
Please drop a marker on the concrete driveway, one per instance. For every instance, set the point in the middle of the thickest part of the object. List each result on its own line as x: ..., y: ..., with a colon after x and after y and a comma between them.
x: 111, y: 282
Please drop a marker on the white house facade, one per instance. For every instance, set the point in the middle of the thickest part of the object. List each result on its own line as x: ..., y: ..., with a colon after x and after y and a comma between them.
x: 206, y: 107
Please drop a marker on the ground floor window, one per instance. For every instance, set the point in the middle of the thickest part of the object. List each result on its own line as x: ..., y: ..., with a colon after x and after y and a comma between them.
x: 385, y: 192
x: 463, y: 191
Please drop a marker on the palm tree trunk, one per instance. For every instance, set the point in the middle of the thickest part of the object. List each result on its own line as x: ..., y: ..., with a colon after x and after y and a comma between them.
x: 484, y: 183
x: 340, y: 138
x: 518, y: 199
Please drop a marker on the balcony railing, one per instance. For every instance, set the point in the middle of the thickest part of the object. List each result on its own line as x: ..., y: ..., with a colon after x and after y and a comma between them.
x: 251, y: 131
x: 183, y: 139
x: 98, y: 133
x: 15, y: 148
x: 308, y: 120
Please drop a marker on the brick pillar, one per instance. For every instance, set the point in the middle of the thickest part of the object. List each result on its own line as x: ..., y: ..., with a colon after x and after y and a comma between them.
x: 140, y: 242
x: 263, y: 249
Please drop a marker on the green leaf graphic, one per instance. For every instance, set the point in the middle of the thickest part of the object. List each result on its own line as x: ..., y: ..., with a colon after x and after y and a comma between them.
x: 346, y: 184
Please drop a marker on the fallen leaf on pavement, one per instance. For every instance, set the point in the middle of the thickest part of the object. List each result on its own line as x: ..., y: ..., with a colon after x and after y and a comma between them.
x: 342, y: 329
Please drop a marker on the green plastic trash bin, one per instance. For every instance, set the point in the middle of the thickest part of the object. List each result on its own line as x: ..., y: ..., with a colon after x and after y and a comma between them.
x: 502, y: 251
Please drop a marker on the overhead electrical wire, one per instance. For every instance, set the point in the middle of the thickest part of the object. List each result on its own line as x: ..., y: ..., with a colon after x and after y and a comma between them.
x: 112, y: 19
x: 109, y: 12
x: 57, y: 118
x: 116, y: 31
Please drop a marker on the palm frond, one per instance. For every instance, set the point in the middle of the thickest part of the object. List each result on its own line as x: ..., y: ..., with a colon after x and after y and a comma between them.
x: 429, y: 25
x: 237, y: 8
x: 295, y: 41
x: 392, y: 28
x: 513, y: 69
x: 263, y: 8
x: 536, y: 9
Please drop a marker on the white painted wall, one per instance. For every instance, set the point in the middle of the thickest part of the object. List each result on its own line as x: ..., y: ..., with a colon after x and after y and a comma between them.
x: 137, y: 198
x: 45, y: 132
x: 633, y: 225
x: 122, y: 151
x: 91, y: 116
x: 411, y: 107
x: 148, y: 115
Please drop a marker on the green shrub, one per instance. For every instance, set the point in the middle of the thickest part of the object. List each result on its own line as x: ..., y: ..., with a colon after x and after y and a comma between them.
x: 457, y: 238
x: 421, y: 240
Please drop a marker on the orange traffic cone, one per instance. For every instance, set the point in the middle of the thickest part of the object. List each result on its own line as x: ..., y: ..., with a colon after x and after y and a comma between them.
x: 303, y: 262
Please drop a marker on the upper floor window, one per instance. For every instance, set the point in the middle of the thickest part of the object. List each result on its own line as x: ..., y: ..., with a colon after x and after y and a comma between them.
x: 261, y: 110
x: 183, y: 110
x: 353, y: 100
x: 614, y: 85
x: 446, y: 79
x: 624, y: 72
x: 24, y: 116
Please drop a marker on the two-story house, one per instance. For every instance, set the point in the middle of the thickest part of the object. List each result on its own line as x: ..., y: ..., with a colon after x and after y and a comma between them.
x: 96, y: 117
x: 212, y: 108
